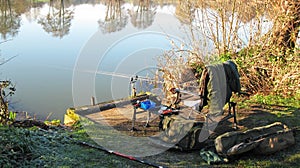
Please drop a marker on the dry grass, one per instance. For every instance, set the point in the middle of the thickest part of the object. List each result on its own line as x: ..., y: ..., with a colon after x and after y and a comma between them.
x: 265, y: 52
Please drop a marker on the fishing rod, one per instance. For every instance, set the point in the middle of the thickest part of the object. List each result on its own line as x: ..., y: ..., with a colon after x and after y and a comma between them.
x: 129, y: 76
x: 123, y: 75
x: 83, y: 143
x: 134, y: 77
x: 136, y: 159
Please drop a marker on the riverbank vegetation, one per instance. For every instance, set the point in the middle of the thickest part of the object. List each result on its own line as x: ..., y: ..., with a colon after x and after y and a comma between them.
x: 263, y: 45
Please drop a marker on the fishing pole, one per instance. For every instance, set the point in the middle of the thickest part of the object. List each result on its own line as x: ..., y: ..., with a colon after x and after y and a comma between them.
x: 83, y: 143
x: 143, y: 78
x: 136, y: 159
x: 128, y: 76
x: 136, y: 77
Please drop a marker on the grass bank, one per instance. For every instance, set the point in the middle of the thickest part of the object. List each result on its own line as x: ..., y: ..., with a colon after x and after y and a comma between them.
x: 57, y: 147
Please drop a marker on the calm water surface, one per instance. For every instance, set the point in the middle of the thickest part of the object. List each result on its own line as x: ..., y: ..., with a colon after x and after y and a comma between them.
x: 43, y: 70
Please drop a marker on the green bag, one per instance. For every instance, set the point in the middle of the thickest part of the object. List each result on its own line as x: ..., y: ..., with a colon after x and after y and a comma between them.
x: 262, y: 140
x: 211, y: 157
x: 180, y: 133
x: 273, y: 143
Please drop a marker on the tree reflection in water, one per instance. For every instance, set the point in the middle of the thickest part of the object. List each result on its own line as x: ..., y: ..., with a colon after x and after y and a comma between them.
x: 115, y: 19
x: 217, y: 21
x: 143, y: 15
x: 58, y: 20
x: 10, y: 20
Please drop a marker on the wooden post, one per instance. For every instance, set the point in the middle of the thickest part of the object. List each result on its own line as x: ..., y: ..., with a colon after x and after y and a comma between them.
x: 93, y: 101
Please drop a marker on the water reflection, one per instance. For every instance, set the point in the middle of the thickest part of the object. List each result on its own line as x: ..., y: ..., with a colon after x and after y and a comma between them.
x: 115, y: 19
x: 10, y: 20
x: 140, y: 12
x: 58, y: 20
x: 142, y: 15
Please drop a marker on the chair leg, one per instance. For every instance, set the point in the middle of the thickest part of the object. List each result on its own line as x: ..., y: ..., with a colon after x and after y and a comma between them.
x: 233, y: 104
x: 229, y: 108
x: 148, y: 119
x: 133, y: 119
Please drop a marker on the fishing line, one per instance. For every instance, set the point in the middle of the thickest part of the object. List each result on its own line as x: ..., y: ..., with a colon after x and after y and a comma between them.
x: 139, y: 78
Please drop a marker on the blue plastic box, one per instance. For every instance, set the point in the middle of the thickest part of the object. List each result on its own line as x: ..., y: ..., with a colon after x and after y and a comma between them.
x: 147, y: 104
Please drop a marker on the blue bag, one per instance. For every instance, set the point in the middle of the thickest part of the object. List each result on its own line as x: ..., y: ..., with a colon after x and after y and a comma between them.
x: 147, y: 104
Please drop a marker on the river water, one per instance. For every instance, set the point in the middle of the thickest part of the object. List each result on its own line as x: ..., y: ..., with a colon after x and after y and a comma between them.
x: 60, y: 48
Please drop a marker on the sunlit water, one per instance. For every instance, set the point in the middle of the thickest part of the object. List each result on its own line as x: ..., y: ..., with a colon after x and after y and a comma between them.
x: 43, y: 68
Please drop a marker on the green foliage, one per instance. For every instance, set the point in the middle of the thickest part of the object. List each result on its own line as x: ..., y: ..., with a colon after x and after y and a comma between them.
x: 225, y: 57
x: 54, y: 122
x: 12, y: 116
x: 269, y: 70
x: 197, y: 67
x: 277, y: 100
x: 6, y: 89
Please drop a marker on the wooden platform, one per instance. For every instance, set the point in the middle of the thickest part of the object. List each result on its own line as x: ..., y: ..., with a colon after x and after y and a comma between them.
x: 119, y: 115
